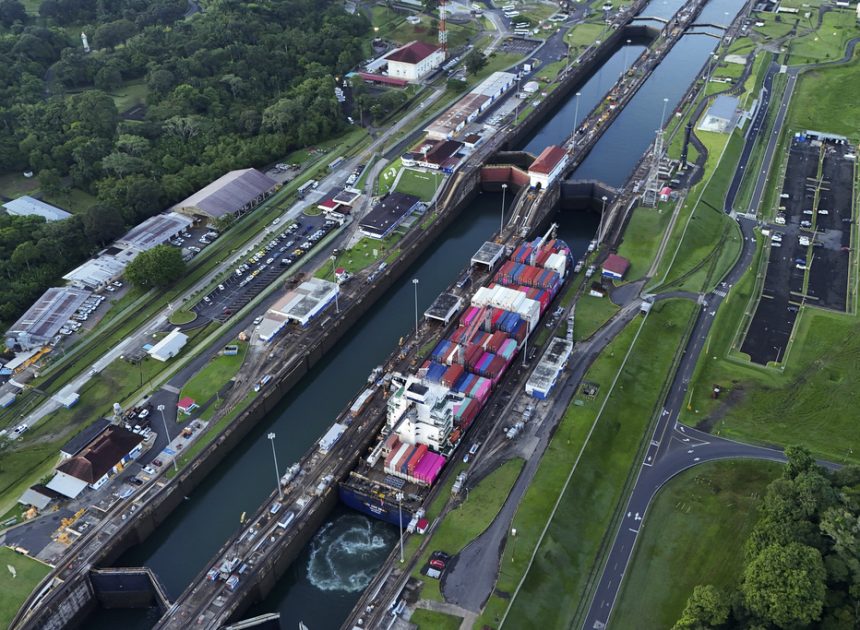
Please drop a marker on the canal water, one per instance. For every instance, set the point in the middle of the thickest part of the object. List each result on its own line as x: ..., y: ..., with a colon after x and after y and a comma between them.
x: 323, y: 584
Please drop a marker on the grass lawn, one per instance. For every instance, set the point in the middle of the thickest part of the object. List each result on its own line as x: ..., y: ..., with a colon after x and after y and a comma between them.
x: 214, y: 375
x: 14, y: 185
x: 828, y: 42
x: 470, y: 518
x: 429, y: 620
x: 363, y: 254
x: 28, y: 573
x: 694, y: 534
x: 74, y: 200
x: 129, y: 95
x: 419, y: 183
x: 177, y: 318
x: 386, y: 178
x: 642, y: 237
x: 585, y: 34
x: 591, y: 314
x: 820, y: 98
x: 709, y: 239
x: 773, y: 29
x: 556, y: 584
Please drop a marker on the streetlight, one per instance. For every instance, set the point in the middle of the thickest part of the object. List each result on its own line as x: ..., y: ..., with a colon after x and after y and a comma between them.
x: 337, y: 287
x: 663, y: 115
x: 514, y: 543
x: 625, y: 58
x: 400, y: 519
x: 604, y: 199
x: 415, y: 285
x: 576, y: 117
x: 167, y: 434
x: 502, y: 222
x: 271, y: 437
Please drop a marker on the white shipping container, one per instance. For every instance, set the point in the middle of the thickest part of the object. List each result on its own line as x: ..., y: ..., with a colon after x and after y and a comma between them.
x: 556, y: 262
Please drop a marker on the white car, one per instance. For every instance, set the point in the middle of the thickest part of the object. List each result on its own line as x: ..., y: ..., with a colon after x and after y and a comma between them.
x: 149, y: 470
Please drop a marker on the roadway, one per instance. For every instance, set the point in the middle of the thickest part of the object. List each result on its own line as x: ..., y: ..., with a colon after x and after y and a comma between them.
x: 675, y: 447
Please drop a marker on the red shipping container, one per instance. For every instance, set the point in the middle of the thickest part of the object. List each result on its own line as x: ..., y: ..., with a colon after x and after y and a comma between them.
x: 449, y: 378
x: 496, y: 341
x: 416, y: 459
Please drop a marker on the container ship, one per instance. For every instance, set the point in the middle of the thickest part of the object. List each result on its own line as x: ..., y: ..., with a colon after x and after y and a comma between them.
x: 429, y: 412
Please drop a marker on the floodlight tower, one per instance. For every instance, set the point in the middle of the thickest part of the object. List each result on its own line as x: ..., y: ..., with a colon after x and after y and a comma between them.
x: 443, y: 30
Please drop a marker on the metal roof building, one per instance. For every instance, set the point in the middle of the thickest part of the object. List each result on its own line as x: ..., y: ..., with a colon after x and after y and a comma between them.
x: 545, y: 375
x: 96, y: 272
x: 169, y: 347
x: 154, y: 231
x: 444, y: 307
x: 77, y: 443
x: 306, y: 301
x: 489, y: 254
x: 387, y: 214
x: 30, y: 206
x: 235, y: 193
x: 44, y: 319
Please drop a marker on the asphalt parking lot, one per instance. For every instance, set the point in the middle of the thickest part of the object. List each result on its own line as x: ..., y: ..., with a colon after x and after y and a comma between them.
x: 238, y: 290
x: 808, y: 258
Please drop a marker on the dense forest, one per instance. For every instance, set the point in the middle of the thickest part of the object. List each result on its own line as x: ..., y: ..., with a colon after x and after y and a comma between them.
x: 238, y: 85
x: 802, y: 559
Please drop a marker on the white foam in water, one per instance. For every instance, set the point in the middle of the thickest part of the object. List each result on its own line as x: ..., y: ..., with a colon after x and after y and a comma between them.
x: 346, y: 553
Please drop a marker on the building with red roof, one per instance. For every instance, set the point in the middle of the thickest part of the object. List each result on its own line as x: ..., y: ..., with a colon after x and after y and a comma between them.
x: 548, y: 165
x: 414, y: 61
x: 615, y: 267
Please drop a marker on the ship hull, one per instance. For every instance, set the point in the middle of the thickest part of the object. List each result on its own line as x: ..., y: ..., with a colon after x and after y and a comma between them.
x: 373, y: 507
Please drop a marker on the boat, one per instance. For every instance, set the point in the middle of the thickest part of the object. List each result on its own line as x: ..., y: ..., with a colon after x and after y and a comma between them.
x: 429, y: 411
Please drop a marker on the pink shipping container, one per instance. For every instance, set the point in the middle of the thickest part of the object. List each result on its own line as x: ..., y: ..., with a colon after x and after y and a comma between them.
x: 469, y: 315
x: 482, y: 391
x: 429, y: 467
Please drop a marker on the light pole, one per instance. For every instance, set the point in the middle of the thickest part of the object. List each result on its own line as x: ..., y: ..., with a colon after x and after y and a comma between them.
x: 400, y: 519
x: 514, y: 543
x: 604, y: 199
x: 337, y: 287
x: 415, y: 286
x: 502, y: 222
x: 271, y: 437
x: 663, y: 115
x: 625, y: 58
x: 576, y: 117
x: 167, y: 434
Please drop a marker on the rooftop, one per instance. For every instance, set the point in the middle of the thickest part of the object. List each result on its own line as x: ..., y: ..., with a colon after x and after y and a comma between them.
x: 388, y: 212
x: 77, y: 443
x: 370, y: 76
x: 413, y: 52
x: 228, y: 194
x: 101, y: 455
x: 444, y: 307
x: 154, y: 231
x: 616, y: 264
x: 549, y: 158
x: 97, y: 271
x: 489, y: 254
x: 30, y: 206
x: 50, y: 312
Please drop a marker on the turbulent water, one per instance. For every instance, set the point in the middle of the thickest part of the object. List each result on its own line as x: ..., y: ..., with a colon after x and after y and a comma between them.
x: 346, y: 553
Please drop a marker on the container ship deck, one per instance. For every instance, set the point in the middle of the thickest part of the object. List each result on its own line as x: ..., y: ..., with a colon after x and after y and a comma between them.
x: 428, y: 413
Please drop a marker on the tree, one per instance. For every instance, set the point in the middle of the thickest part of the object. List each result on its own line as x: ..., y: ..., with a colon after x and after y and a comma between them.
x: 12, y: 11
x: 784, y: 585
x: 474, y: 61
x: 49, y: 182
x: 706, y: 608
x: 102, y: 224
x: 157, y: 267
x: 113, y: 33
x: 800, y: 460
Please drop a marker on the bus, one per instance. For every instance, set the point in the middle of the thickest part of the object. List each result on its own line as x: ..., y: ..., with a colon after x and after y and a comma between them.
x: 304, y: 188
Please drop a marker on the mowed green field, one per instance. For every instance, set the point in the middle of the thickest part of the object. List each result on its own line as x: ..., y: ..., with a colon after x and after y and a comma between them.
x: 28, y: 573
x: 693, y: 534
x: 419, y: 183
x: 828, y: 99
x: 591, y: 314
x: 642, y: 237
x: 557, y: 581
x: 430, y: 620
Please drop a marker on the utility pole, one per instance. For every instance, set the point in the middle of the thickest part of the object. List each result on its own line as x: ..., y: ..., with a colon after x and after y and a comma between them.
x: 502, y: 222
x: 271, y: 437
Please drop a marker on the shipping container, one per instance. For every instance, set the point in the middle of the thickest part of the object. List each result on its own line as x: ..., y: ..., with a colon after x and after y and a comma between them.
x: 452, y: 375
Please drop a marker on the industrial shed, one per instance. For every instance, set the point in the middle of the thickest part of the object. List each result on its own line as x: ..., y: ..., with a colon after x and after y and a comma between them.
x: 96, y: 272
x: 154, y: 231
x: 235, y: 193
x: 169, y: 347
x: 305, y: 301
x: 44, y: 319
x: 27, y: 206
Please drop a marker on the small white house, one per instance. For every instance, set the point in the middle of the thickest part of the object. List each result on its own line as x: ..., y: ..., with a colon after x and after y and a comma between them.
x: 414, y: 61
x: 169, y: 347
x: 547, y: 167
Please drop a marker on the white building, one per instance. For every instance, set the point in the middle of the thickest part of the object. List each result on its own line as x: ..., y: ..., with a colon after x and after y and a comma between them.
x: 96, y: 272
x: 547, y: 167
x: 168, y: 347
x: 300, y: 305
x: 421, y: 413
x: 30, y: 206
x: 414, y: 61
